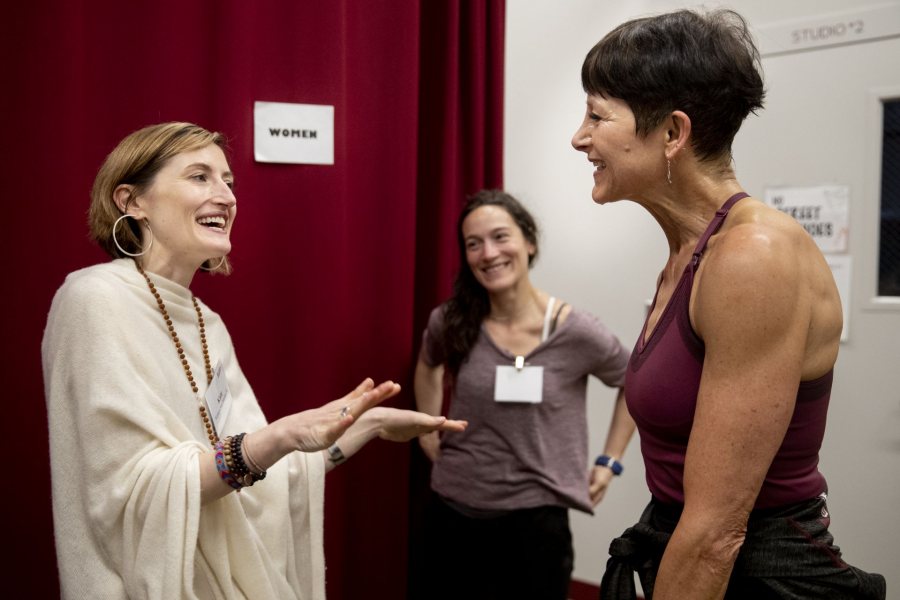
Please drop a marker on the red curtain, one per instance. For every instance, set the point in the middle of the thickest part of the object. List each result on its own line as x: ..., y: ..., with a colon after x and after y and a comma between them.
x: 460, y: 134
x: 460, y: 152
x: 335, y: 266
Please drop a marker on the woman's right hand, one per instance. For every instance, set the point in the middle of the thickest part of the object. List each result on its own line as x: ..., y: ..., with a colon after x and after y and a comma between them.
x: 318, y: 428
x: 431, y: 445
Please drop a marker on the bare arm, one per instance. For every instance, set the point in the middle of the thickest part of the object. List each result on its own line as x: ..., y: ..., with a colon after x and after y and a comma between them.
x: 306, y: 431
x: 393, y: 425
x: 621, y: 428
x: 429, y: 390
x: 752, y: 312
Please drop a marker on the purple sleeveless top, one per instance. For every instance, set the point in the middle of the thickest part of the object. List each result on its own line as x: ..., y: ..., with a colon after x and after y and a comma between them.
x: 661, y: 386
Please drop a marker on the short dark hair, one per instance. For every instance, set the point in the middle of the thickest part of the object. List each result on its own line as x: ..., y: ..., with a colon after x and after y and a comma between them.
x: 704, y: 64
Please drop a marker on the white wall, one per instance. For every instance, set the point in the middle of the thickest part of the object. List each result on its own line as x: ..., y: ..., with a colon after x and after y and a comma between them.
x: 606, y: 259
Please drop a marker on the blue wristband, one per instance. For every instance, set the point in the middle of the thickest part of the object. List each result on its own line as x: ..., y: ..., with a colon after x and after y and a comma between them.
x: 611, y: 463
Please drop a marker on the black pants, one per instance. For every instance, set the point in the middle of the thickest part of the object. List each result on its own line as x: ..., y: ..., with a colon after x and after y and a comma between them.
x: 521, y: 554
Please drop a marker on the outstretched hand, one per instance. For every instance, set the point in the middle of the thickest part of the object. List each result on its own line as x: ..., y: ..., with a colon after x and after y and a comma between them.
x: 398, y: 425
x: 318, y: 428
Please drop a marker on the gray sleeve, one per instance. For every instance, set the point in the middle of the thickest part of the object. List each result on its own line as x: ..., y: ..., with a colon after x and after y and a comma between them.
x: 611, y: 356
x: 432, y: 350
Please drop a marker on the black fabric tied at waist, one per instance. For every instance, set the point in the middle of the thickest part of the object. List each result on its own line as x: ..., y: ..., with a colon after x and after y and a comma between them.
x: 788, y: 553
x: 638, y: 550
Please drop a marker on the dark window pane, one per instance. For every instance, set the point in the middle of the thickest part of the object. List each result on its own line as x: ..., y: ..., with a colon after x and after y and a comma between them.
x: 889, y: 241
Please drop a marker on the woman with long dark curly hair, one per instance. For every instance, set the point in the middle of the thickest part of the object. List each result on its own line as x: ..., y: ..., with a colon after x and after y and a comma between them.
x: 518, y: 362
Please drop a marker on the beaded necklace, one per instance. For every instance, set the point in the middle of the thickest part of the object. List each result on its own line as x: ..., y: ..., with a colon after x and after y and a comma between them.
x: 204, y: 415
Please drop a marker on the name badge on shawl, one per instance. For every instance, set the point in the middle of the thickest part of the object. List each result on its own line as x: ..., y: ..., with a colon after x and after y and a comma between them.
x: 218, y: 398
x: 519, y: 383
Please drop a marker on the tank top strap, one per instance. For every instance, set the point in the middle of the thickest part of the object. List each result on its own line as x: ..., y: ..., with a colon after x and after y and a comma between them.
x: 714, y: 226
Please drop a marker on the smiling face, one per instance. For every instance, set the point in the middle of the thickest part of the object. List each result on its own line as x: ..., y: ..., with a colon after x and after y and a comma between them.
x: 496, y: 250
x: 624, y: 162
x: 190, y: 207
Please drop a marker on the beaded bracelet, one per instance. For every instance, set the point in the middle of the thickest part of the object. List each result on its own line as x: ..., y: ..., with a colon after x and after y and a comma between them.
x: 222, y: 467
x: 233, y: 455
x: 237, y: 462
x: 229, y: 458
x: 237, y: 451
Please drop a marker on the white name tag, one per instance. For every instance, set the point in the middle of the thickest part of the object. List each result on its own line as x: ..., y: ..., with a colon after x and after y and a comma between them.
x: 218, y: 398
x: 519, y: 384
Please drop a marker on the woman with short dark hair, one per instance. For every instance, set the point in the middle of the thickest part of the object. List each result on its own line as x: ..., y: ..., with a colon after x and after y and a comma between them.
x: 730, y: 379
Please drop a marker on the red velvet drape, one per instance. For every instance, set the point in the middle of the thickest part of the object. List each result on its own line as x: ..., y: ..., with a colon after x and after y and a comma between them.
x: 334, y: 265
x: 460, y: 152
x: 460, y: 134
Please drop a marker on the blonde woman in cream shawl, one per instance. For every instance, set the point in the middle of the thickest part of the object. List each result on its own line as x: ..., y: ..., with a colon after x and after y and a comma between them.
x: 153, y: 426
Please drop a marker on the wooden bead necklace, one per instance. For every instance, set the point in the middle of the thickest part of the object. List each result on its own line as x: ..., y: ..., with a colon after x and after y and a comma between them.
x: 204, y: 415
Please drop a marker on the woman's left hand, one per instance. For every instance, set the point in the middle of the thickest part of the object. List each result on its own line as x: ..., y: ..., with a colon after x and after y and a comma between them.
x: 398, y: 425
x: 600, y: 478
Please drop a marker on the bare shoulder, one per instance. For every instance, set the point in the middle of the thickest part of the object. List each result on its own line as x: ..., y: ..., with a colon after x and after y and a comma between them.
x: 764, y: 269
x: 758, y: 241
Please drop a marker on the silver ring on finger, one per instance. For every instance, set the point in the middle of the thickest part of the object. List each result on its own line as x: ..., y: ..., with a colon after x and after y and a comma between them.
x: 345, y: 411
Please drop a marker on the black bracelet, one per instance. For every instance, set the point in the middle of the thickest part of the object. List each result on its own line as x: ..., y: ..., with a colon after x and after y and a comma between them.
x: 335, y: 455
x: 242, y: 471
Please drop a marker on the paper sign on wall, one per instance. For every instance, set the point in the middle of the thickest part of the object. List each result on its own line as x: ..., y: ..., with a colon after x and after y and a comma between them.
x: 293, y: 133
x: 822, y: 210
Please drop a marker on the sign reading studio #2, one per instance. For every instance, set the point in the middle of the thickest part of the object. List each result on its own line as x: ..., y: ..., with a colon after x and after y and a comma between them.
x: 293, y: 133
x: 860, y: 24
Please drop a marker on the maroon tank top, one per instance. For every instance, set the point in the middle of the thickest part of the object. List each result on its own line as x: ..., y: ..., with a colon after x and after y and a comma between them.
x: 661, y: 386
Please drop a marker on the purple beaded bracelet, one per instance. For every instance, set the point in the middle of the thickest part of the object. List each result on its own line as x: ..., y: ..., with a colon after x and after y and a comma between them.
x: 222, y: 467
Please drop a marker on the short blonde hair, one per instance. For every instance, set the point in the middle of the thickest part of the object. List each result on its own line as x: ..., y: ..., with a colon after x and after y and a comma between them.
x: 136, y: 161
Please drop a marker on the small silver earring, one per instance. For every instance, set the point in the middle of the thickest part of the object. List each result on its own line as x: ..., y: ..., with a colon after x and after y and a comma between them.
x: 669, y: 171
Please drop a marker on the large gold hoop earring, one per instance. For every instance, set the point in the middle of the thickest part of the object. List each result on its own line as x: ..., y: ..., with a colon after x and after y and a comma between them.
x: 119, y: 246
x: 211, y: 269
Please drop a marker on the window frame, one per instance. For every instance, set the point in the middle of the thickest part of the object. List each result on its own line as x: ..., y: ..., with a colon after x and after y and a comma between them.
x: 871, y: 230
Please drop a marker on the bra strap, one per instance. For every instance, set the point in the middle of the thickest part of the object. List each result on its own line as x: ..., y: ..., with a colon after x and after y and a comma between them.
x: 547, y: 316
x: 714, y: 226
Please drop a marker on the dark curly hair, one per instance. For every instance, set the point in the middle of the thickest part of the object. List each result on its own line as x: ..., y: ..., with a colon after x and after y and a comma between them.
x: 469, y: 304
x: 704, y: 64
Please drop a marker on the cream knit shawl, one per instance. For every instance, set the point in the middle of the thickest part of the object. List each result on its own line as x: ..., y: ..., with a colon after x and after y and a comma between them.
x: 125, y: 435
